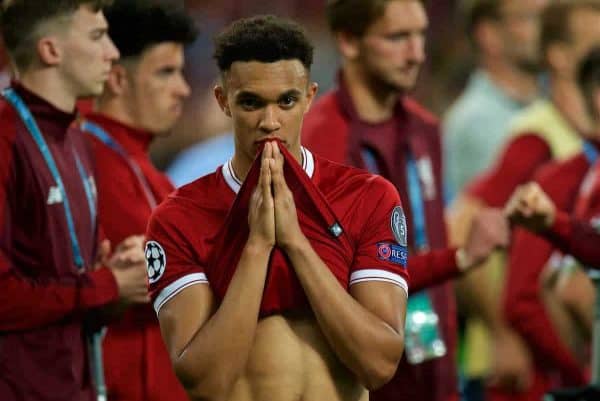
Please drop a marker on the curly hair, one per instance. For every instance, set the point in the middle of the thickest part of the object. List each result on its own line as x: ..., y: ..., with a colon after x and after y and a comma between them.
x: 264, y: 38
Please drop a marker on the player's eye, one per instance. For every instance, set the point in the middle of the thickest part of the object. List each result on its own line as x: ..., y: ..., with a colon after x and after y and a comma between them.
x: 250, y: 103
x: 288, y: 101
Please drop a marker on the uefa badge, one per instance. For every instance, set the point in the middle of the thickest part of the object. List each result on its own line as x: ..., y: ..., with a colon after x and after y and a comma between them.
x: 398, y: 225
x: 156, y: 261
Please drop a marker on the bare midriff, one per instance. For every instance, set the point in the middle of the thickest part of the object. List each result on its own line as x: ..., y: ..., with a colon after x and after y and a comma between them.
x: 292, y: 361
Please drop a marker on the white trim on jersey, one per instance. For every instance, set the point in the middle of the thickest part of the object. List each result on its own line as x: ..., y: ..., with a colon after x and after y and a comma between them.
x: 176, y: 287
x: 360, y: 276
x: 232, y: 180
x: 308, y: 162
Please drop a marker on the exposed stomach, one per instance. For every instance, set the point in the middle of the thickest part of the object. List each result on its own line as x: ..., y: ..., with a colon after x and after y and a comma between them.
x: 292, y: 361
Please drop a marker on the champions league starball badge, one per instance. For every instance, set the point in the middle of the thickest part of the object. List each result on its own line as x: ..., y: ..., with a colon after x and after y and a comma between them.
x: 156, y: 261
x: 398, y: 225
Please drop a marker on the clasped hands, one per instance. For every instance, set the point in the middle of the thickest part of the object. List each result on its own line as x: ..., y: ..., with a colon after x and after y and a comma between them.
x: 128, y: 266
x: 531, y: 208
x: 272, y: 216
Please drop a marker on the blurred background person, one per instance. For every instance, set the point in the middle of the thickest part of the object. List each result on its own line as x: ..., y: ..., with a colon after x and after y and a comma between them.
x: 548, y: 129
x: 505, y: 39
x: 142, y: 99
x: 504, y: 36
x: 371, y: 122
x: 556, y: 317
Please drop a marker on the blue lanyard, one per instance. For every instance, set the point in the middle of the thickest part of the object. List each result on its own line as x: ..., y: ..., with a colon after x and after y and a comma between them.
x: 414, y: 193
x: 104, y: 137
x: 590, y: 152
x: 370, y: 160
x: 35, y: 132
x: 417, y: 206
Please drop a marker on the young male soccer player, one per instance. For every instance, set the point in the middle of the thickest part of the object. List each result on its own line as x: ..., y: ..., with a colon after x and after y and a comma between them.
x: 52, y: 284
x: 142, y: 98
x: 282, y: 275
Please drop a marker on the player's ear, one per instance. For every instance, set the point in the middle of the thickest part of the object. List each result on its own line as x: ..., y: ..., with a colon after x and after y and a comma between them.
x: 117, y: 81
x: 313, y: 88
x: 221, y: 96
x: 348, y: 45
x: 49, y: 50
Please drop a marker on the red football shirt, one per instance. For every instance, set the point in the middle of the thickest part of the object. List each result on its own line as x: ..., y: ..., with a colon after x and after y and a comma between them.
x: 183, y: 231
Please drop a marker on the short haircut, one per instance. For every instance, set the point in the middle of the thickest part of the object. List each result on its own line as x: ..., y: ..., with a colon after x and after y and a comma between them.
x: 481, y: 10
x: 136, y: 25
x: 556, y: 21
x: 22, y: 22
x: 588, y: 78
x: 354, y: 16
x: 263, y: 38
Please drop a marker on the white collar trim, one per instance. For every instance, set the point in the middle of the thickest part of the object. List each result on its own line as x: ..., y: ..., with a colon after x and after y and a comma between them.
x: 232, y: 180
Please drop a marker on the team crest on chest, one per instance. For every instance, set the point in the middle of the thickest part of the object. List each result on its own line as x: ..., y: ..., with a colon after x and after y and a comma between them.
x: 156, y: 261
x: 398, y: 225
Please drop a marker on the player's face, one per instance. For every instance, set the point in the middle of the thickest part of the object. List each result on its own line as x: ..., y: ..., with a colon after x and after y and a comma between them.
x: 393, y: 48
x: 87, y: 53
x: 266, y: 100
x: 157, y: 88
x: 520, y: 28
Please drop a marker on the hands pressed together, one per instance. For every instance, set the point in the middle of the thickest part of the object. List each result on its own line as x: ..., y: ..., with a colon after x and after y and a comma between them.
x: 531, y: 208
x: 128, y: 265
x: 272, y: 214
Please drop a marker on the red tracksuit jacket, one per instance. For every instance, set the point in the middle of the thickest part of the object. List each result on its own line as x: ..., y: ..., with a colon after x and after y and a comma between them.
x: 136, y: 363
x: 45, y: 298
x: 528, y: 258
x: 331, y: 129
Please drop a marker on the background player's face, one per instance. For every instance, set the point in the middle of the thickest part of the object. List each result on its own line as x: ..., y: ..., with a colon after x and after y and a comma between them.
x: 87, y: 53
x: 157, y: 88
x: 392, y: 50
x: 520, y: 30
x: 266, y: 100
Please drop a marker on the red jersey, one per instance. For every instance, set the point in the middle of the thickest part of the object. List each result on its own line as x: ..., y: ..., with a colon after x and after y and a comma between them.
x: 541, y: 134
x: 45, y: 296
x: 529, y: 256
x: 333, y: 129
x: 136, y: 363
x: 577, y: 236
x: 184, y: 232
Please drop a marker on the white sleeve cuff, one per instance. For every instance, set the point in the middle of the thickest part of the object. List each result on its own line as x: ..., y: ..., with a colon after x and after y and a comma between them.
x: 360, y: 276
x: 176, y: 287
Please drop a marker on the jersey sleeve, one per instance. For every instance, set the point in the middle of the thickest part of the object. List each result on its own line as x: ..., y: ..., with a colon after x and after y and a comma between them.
x: 515, y: 166
x: 576, y: 237
x: 382, y: 253
x: 170, y: 258
x: 523, y: 305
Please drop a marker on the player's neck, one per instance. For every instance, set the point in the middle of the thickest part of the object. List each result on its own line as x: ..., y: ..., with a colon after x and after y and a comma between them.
x: 373, y: 102
x: 50, y: 87
x: 568, y: 100
x: 119, y: 110
x: 517, y: 83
